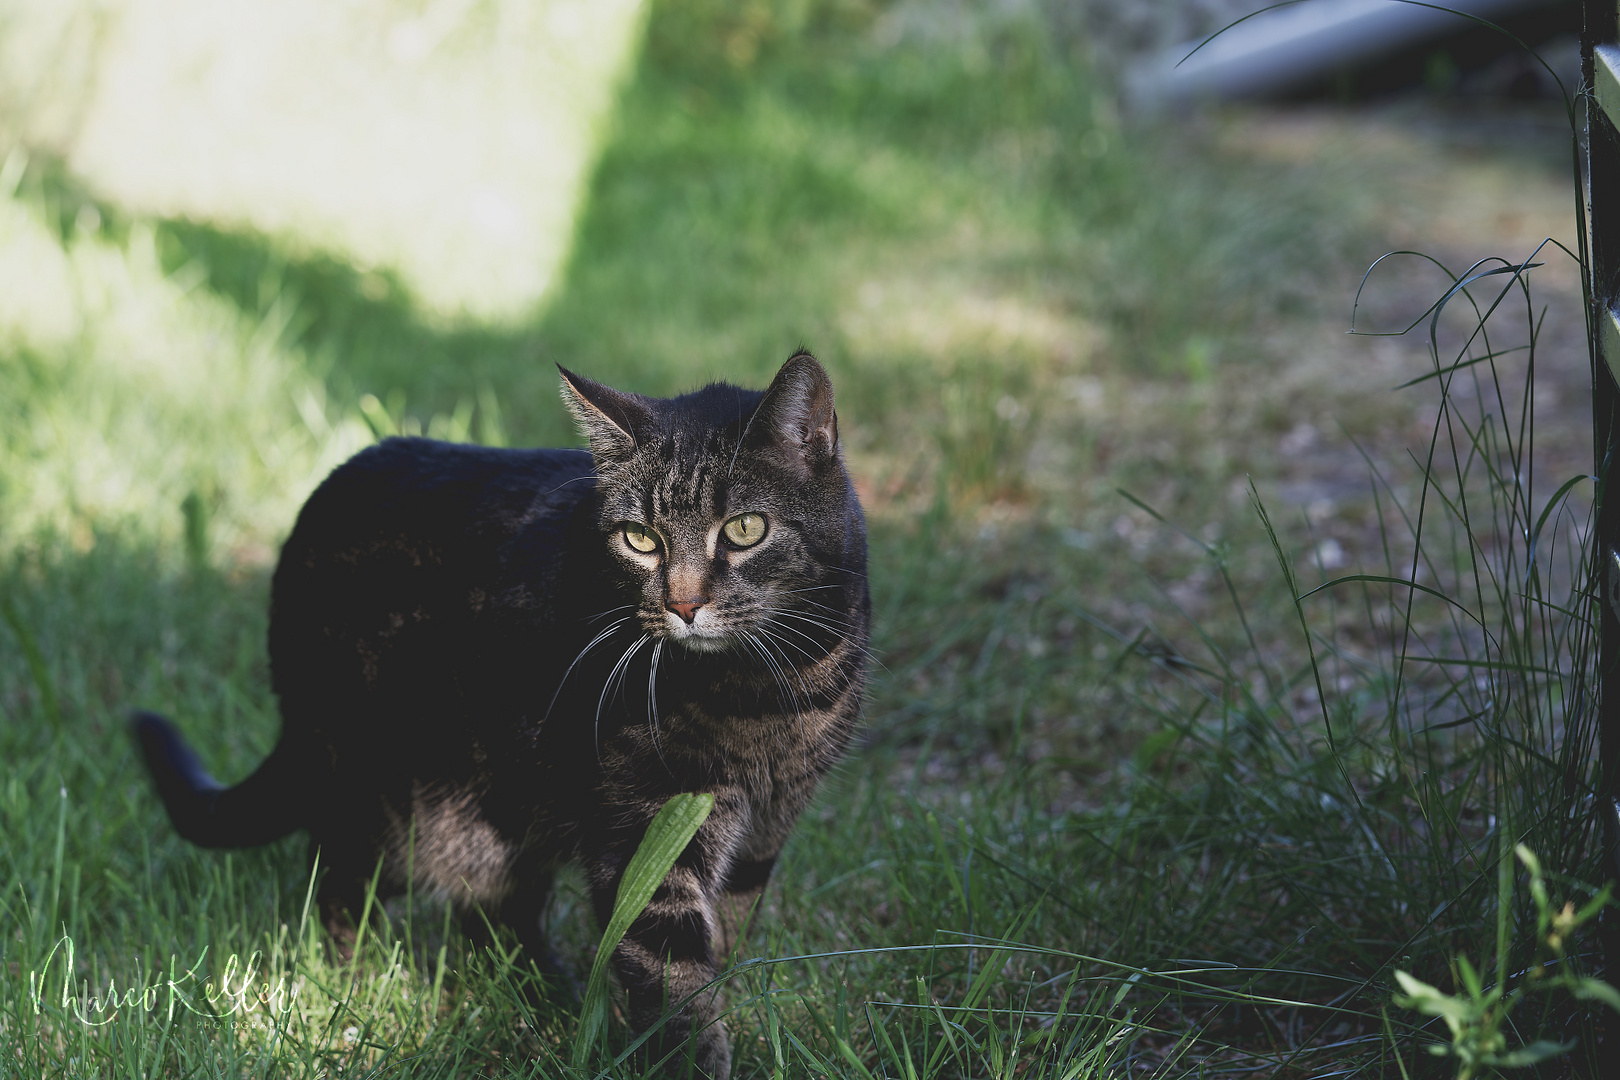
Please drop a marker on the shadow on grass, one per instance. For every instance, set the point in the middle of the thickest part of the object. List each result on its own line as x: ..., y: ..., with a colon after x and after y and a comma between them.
x: 358, y: 328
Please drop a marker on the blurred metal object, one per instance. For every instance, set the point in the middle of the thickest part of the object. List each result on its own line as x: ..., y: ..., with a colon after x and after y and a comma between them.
x: 1600, y: 59
x: 1278, y: 50
x: 1611, y: 581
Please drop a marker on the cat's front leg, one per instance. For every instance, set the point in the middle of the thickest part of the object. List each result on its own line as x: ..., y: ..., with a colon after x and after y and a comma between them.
x: 737, y: 904
x: 666, y: 961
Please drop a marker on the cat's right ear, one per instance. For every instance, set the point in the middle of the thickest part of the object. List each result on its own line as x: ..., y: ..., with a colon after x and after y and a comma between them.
x: 608, y: 418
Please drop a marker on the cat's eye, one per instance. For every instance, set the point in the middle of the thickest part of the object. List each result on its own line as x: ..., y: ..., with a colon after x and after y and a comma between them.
x: 640, y: 538
x: 745, y: 530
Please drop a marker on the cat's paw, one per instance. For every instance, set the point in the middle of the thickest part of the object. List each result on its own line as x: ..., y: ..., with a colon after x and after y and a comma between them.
x: 713, y: 1058
x: 706, y: 1055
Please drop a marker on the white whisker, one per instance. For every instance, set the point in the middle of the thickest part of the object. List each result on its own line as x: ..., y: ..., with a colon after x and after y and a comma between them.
x: 822, y: 624
x: 594, y: 642
x: 799, y: 648
x: 842, y: 633
x: 652, y: 701
x: 832, y: 619
x: 798, y: 711
x: 609, y: 611
x: 608, y: 686
x: 790, y: 700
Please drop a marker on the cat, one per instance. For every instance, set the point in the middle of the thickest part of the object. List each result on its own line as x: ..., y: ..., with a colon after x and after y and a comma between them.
x: 494, y: 661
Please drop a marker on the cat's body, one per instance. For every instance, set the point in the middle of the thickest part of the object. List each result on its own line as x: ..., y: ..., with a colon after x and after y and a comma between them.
x: 492, y: 662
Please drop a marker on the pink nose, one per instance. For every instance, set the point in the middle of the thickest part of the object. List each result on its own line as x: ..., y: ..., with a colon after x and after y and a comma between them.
x: 686, y: 609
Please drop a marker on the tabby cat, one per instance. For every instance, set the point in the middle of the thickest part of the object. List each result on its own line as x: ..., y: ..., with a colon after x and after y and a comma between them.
x: 491, y: 662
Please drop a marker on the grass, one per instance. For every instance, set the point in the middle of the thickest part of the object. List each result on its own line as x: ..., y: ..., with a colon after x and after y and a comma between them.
x: 1132, y: 796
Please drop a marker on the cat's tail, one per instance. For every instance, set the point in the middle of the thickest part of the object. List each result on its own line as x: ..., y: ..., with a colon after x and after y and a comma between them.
x: 260, y: 809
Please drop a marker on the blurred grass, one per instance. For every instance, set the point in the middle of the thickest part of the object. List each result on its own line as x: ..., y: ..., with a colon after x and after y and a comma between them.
x: 1212, y: 838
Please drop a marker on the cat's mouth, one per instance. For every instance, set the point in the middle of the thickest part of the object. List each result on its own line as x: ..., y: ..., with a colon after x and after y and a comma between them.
x: 705, y: 633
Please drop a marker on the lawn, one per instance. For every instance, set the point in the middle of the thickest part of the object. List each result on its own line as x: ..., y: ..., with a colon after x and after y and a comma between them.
x: 1127, y: 800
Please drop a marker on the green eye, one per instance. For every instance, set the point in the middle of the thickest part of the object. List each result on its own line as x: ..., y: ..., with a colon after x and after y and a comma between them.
x: 640, y: 537
x: 745, y: 530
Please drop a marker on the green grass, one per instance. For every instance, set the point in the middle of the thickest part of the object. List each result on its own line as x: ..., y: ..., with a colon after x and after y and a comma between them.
x: 1123, y: 802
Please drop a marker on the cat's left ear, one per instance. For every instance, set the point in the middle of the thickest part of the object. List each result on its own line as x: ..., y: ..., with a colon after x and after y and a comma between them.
x: 610, y: 419
x: 797, y: 411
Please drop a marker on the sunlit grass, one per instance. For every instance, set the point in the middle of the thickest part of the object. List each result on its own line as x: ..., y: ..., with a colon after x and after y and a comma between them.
x: 447, y: 142
x: 126, y: 390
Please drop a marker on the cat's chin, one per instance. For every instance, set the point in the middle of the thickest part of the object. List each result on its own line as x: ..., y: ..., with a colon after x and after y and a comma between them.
x: 702, y: 643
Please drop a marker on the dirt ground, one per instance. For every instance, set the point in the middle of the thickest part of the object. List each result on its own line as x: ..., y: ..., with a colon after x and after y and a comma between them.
x: 1472, y: 184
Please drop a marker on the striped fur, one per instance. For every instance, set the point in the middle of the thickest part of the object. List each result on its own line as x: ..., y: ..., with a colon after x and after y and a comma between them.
x: 482, y: 677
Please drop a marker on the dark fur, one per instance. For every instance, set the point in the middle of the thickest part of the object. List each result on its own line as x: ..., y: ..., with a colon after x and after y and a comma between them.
x: 430, y: 641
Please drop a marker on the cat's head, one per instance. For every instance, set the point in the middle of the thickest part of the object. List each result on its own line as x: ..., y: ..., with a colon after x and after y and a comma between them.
x: 728, y: 511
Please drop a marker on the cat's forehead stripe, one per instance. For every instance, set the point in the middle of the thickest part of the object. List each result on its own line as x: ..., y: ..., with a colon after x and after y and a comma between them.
x: 679, y: 479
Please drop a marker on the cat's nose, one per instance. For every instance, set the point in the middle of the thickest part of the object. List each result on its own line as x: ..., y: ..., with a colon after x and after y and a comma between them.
x: 686, y: 609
